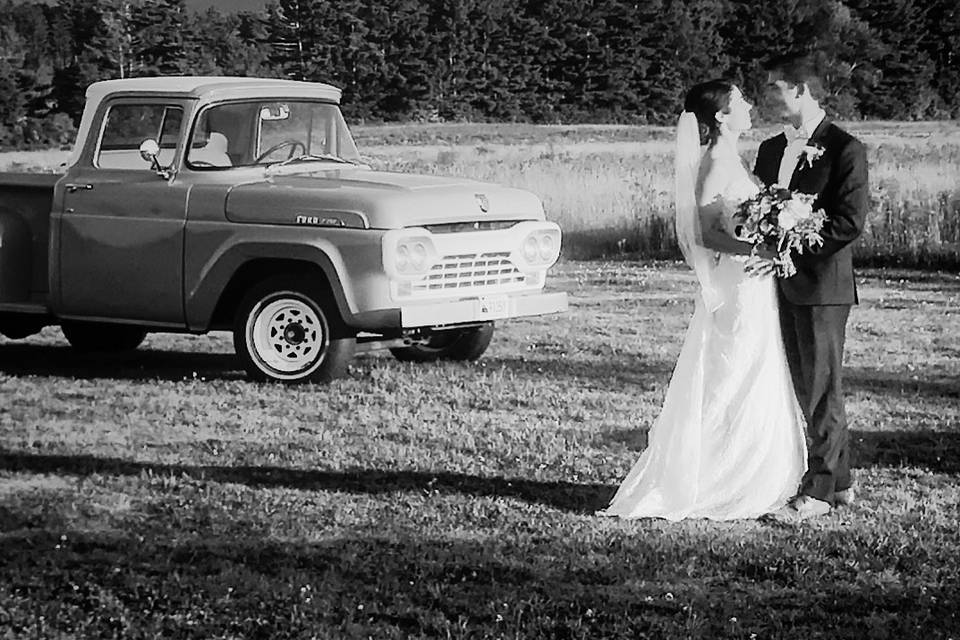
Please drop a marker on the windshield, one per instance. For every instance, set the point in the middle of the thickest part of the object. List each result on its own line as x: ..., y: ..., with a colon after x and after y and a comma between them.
x: 242, y: 134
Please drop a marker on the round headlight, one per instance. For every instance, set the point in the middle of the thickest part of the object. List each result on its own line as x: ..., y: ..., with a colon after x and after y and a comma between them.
x: 403, y: 257
x: 546, y: 247
x: 530, y: 247
x: 418, y: 256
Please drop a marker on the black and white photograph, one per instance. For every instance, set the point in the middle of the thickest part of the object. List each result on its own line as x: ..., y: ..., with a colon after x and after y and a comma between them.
x: 464, y: 319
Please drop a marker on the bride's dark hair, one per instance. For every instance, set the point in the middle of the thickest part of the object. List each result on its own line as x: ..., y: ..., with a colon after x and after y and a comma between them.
x: 704, y: 100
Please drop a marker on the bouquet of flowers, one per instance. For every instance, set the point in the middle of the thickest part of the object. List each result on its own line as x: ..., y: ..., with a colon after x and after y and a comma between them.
x: 781, y: 220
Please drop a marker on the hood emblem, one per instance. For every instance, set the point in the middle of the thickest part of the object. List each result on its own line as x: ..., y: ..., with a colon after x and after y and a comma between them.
x: 319, y: 221
x: 482, y: 201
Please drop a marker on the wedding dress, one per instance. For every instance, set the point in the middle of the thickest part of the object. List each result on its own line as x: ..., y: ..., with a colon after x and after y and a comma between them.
x: 730, y: 438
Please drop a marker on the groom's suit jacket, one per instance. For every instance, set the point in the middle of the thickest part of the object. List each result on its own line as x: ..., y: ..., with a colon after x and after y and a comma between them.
x: 839, y: 179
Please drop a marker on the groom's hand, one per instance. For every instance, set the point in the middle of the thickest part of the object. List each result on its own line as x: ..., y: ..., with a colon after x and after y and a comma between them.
x: 757, y: 266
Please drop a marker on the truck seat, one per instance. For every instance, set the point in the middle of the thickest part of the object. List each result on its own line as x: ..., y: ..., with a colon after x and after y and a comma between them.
x: 214, y: 153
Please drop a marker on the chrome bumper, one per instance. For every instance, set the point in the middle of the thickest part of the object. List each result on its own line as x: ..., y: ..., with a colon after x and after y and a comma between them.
x: 481, y: 309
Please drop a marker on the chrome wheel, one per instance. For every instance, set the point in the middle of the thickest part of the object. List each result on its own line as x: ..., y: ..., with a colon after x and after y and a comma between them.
x: 287, y: 335
x: 287, y: 329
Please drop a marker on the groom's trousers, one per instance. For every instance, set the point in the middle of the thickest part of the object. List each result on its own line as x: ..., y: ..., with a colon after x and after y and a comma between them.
x: 813, y: 337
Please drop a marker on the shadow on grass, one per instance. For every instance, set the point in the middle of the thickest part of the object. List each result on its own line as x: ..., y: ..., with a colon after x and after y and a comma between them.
x: 201, y: 585
x: 175, y: 365
x: 189, y: 587
x: 565, y: 496
x: 899, y: 383
x: 48, y: 360
x: 937, y: 451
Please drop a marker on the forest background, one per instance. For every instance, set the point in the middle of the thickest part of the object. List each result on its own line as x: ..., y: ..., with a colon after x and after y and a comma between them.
x: 552, y: 61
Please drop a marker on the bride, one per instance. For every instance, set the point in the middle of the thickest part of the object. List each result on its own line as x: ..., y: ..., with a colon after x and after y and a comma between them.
x: 729, y: 441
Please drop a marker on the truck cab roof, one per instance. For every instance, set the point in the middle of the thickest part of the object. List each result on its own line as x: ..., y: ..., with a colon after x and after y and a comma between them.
x: 212, y: 87
x: 200, y: 88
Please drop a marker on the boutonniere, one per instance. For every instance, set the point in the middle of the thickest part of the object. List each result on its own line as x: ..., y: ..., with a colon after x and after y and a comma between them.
x: 810, y: 154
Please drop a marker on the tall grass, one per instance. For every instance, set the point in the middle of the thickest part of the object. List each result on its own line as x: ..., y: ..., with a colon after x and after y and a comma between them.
x: 614, y: 195
x: 611, y: 187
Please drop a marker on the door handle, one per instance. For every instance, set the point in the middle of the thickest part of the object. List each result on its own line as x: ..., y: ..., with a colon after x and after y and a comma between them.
x: 71, y: 188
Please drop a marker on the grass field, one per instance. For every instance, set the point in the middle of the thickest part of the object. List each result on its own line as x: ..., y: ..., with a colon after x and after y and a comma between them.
x: 611, y: 187
x: 158, y: 494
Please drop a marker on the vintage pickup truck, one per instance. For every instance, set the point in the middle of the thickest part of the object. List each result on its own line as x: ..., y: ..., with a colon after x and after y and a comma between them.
x: 196, y: 204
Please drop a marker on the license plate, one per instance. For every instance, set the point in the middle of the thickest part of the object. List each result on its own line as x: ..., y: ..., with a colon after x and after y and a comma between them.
x: 489, y: 307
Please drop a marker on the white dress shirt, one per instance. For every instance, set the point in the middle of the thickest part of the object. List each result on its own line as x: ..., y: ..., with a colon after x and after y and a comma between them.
x: 796, y: 140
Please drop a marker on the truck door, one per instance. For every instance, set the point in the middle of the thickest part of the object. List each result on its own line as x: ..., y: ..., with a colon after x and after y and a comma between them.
x: 121, y: 228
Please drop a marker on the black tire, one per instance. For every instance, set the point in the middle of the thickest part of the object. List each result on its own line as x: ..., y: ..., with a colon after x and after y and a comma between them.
x: 287, y: 329
x: 103, y: 337
x: 451, y: 344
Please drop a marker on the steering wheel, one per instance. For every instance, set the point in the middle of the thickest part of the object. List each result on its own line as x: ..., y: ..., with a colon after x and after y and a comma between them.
x: 293, y: 144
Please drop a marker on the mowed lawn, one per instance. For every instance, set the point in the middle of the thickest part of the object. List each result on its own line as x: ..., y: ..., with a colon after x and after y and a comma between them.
x: 159, y: 494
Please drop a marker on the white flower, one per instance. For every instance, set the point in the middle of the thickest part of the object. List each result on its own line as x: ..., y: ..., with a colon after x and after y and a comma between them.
x: 792, y: 212
x: 811, y: 153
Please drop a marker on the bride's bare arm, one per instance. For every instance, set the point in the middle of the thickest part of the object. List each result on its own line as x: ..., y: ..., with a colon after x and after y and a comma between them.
x: 714, y: 179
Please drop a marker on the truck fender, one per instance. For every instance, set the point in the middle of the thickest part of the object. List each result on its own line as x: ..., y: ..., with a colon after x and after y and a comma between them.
x: 202, y: 299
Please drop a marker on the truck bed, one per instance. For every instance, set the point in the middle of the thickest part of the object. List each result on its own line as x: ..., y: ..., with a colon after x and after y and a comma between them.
x: 25, y: 204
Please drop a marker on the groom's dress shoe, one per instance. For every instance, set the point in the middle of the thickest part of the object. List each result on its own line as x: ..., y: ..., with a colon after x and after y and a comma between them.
x: 802, y: 508
x: 846, y: 497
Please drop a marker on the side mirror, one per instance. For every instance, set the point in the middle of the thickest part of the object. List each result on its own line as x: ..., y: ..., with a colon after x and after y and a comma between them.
x: 149, y: 150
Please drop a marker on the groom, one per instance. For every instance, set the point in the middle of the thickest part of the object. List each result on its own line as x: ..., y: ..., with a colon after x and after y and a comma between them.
x: 815, y: 156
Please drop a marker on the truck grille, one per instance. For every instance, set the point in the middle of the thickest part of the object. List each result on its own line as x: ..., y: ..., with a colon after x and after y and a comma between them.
x: 469, y: 272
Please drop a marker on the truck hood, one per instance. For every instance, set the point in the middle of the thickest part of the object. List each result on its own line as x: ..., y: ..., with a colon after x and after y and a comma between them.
x: 357, y: 196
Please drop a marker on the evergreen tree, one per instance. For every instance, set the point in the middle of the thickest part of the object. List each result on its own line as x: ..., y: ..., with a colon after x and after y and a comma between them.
x: 905, y: 69
x: 289, y: 36
x: 251, y: 55
x: 622, y: 61
x: 540, y: 60
x: 850, y: 52
x: 402, y: 91
x: 349, y: 53
x: 449, y: 37
x: 942, y: 43
x: 112, y: 45
x: 12, y: 103
x: 701, y: 43
x: 26, y: 45
x: 204, y: 39
x: 755, y: 30
x: 572, y: 55
x: 231, y: 44
x: 682, y: 45
x: 510, y: 68
x: 160, y: 47
x: 485, y: 58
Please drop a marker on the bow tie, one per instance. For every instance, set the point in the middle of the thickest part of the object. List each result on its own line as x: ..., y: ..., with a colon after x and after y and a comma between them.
x: 795, y: 134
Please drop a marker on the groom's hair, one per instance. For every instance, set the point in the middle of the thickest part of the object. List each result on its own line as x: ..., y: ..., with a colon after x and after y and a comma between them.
x: 798, y: 69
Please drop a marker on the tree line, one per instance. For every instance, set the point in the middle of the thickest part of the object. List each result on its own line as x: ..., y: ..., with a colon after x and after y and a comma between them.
x: 544, y: 61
